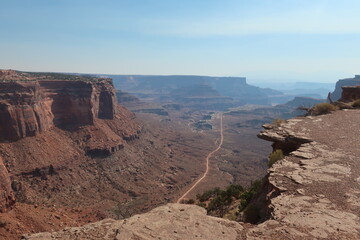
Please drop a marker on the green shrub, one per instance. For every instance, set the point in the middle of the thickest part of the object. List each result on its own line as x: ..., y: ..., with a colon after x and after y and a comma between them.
x: 234, y: 190
x: 247, y: 195
x: 2, y: 223
x: 323, y: 108
x: 356, y: 103
x: 219, y: 204
x: 256, y: 186
x: 190, y: 201
x: 252, y: 214
x: 201, y: 204
x: 275, y: 156
x: 208, y: 194
x: 278, y: 122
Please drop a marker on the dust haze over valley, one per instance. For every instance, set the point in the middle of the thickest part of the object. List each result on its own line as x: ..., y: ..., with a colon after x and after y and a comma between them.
x: 179, y: 119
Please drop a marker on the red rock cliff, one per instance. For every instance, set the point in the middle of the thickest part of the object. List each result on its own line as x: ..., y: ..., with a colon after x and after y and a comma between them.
x: 33, y: 103
x: 24, y: 110
x: 30, y: 107
x: 78, y: 102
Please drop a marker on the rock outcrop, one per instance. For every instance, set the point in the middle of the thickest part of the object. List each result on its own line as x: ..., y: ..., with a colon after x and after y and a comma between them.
x: 172, y: 221
x: 23, y: 110
x: 84, y: 108
x: 336, y: 95
x: 31, y: 103
x: 350, y: 93
x: 313, y: 193
x: 317, y: 184
x: 7, y: 198
x: 33, y: 106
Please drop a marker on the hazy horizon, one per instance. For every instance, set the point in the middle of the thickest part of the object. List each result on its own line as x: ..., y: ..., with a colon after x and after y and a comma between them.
x: 262, y: 40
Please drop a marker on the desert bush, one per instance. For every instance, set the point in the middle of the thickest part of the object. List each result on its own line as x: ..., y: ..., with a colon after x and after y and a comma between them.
x: 275, y: 156
x: 248, y: 195
x: 356, y: 103
x: 201, y: 204
x: 2, y: 224
x: 251, y: 214
x: 208, y: 194
x: 122, y: 211
x: 323, y: 108
x: 220, y: 202
x: 190, y: 201
x: 278, y: 122
x: 234, y: 190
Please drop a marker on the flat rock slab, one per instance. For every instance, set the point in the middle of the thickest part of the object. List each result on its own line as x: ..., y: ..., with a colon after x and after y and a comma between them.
x: 172, y: 221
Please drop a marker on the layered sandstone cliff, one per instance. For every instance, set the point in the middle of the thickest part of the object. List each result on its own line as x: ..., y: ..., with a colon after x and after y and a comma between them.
x: 77, y: 111
x: 30, y: 107
x: 31, y: 103
x: 313, y: 193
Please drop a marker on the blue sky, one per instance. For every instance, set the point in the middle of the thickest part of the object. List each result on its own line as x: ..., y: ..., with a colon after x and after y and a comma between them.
x: 264, y: 40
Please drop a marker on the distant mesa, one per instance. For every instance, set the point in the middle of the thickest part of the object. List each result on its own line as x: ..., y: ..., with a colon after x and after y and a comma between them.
x: 282, y: 111
x: 217, y: 92
x: 125, y: 98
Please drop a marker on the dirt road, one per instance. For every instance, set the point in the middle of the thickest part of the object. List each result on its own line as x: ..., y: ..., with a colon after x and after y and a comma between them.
x: 207, y: 161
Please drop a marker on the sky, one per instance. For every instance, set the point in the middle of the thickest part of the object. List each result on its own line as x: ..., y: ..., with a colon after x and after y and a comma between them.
x: 263, y: 40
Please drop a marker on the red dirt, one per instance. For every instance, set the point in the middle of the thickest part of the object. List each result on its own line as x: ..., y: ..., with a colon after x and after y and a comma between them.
x: 206, y: 162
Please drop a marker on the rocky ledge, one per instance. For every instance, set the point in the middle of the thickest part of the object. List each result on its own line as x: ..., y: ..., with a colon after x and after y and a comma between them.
x: 313, y: 193
x: 172, y: 221
x: 318, y: 183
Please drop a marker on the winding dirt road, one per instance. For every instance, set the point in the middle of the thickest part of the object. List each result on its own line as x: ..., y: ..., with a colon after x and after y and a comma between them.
x: 207, y: 161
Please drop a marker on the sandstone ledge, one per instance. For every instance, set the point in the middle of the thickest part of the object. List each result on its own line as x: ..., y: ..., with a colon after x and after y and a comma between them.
x: 172, y: 221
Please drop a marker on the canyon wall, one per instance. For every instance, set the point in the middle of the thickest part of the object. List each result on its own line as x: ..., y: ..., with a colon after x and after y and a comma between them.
x: 23, y: 110
x: 75, y: 112
x: 30, y: 107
